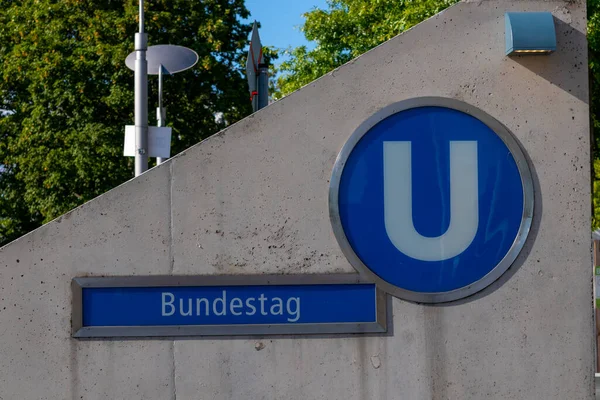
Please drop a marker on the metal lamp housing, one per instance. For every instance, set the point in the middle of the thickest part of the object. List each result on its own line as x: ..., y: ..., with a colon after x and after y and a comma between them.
x: 529, y: 33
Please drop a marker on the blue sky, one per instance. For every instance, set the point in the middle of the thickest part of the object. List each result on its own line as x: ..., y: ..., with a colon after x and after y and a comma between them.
x: 281, y: 21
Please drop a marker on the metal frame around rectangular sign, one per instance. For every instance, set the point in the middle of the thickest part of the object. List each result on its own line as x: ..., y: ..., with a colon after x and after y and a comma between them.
x: 80, y: 331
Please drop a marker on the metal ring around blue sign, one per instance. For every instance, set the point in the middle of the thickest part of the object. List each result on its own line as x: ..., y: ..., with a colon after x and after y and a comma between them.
x: 432, y: 199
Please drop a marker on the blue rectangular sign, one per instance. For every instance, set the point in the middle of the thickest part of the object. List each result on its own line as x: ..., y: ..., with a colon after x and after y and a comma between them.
x: 180, y: 309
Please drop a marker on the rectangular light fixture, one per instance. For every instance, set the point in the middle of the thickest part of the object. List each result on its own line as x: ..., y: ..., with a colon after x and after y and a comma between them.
x: 529, y: 33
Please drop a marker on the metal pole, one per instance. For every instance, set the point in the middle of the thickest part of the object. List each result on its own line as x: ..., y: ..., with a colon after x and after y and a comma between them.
x: 255, y: 98
x: 263, y: 85
x: 141, y: 97
x: 160, y: 111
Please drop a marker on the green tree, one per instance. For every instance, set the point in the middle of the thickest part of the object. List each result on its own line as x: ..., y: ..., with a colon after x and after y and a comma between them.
x: 66, y: 94
x: 347, y: 29
x: 593, y: 34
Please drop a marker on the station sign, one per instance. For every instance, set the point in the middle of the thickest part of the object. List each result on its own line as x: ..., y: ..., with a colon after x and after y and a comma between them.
x: 432, y: 199
x: 226, y: 305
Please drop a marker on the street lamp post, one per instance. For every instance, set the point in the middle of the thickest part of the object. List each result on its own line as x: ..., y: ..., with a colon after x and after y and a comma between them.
x: 160, y: 111
x: 141, y: 97
x: 162, y: 59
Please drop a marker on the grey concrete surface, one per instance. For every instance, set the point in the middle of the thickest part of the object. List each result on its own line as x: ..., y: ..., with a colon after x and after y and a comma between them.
x: 253, y: 199
x: 123, y: 232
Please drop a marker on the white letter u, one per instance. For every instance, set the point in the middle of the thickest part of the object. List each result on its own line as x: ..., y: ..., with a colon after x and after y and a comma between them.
x: 464, y: 207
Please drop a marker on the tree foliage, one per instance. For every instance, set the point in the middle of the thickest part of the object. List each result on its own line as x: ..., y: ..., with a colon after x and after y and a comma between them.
x: 347, y: 29
x: 593, y: 34
x: 66, y: 94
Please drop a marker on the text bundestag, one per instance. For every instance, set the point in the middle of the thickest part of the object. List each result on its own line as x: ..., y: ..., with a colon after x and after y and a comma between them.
x: 235, y: 306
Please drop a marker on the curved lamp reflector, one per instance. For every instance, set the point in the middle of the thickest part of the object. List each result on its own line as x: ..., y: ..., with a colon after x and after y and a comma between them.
x: 529, y: 33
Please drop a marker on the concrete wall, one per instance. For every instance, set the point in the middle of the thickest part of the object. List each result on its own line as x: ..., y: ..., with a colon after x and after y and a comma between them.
x: 253, y: 199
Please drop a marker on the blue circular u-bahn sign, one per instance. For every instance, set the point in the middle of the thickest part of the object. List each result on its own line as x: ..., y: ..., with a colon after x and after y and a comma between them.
x: 432, y: 199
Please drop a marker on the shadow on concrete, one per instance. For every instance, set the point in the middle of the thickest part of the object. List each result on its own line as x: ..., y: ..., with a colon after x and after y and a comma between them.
x: 558, y: 68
